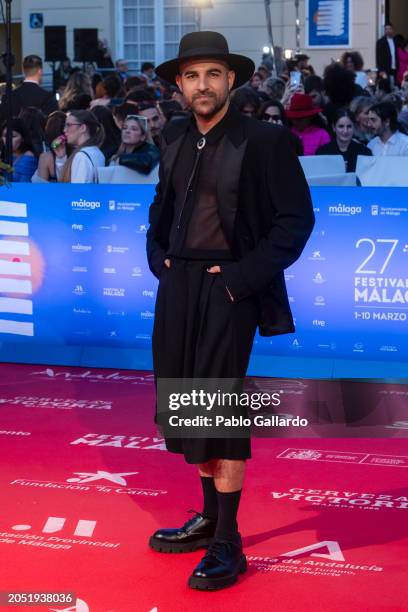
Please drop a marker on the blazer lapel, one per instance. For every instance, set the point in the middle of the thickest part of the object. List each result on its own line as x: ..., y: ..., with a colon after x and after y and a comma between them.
x: 233, y: 147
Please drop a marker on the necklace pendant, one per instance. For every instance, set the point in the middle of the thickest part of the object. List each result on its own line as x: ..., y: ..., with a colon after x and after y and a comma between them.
x: 201, y: 143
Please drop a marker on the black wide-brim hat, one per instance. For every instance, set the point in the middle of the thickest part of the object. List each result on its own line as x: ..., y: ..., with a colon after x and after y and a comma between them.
x: 211, y: 45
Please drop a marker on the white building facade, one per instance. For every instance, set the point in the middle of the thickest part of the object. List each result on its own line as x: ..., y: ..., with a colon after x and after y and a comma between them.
x: 149, y: 30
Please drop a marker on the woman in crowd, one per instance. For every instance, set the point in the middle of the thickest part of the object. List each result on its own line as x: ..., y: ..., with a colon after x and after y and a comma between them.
x: 246, y: 101
x: 256, y: 81
x: 273, y: 112
x: 108, y: 91
x: 85, y: 134
x: 402, y: 52
x: 78, y: 93
x: 360, y: 107
x: 112, y: 132
x: 353, y: 61
x: 24, y: 160
x: 136, y: 150
x: 51, y: 162
x: 62, y: 73
x: 342, y: 142
x: 307, y: 123
x: 34, y: 121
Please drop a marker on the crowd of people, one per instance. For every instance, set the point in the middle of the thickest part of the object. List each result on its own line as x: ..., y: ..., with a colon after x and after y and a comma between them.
x: 101, y: 119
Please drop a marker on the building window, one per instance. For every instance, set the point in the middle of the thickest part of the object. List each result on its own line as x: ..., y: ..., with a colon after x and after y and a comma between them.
x: 179, y: 19
x: 138, y: 31
x: 151, y: 29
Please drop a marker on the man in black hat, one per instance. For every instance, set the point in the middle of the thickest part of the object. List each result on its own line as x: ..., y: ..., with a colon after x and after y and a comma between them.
x: 232, y: 210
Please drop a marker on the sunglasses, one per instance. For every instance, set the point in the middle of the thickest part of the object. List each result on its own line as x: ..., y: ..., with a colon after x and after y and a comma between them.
x: 274, y: 118
x: 138, y: 118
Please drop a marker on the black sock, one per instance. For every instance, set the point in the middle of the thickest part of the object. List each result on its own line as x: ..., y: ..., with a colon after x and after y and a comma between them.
x: 227, y: 526
x: 210, y: 498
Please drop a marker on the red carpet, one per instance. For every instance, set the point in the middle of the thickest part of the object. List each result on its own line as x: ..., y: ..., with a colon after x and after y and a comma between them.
x: 85, y: 481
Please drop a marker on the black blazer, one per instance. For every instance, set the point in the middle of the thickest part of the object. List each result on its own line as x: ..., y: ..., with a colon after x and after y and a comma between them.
x: 383, y: 55
x: 264, y: 206
x: 29, y: 94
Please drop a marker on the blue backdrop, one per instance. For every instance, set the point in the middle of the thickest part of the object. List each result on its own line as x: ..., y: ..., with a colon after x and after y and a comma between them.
x: 75, y: 287
x: 328, y: 23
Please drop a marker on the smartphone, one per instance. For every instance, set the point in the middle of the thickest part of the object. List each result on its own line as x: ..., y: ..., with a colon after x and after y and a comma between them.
x: 295, y: 79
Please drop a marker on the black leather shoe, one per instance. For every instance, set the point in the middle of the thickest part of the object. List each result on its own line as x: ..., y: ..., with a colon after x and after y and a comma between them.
x: 219, y: 567
x: 196, y: 533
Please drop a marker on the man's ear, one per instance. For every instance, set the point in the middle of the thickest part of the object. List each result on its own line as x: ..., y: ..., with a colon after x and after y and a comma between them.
x: 178, y: 81
x: 231, y: 79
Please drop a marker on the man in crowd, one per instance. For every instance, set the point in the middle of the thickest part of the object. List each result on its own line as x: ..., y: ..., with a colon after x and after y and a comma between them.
x: 30, y: 92
x: 147, y: 70
x: 386, y: 53
x: 122, y: 69
x: 383, y: 122
x: 232, y: 211
x: 155, y: 120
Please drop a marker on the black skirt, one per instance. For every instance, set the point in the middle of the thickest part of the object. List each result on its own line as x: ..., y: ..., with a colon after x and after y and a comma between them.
x: 200, y: 333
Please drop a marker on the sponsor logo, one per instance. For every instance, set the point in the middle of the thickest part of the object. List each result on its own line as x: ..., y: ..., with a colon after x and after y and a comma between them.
x: 341, y: 210
x: 109, y: 270
x: 317, y: 256
x: 5, y: 432
x: 388, y: 348
x: 81, y: 311
x: 81, y: 248
x: 115, y: 313
x: 85, y: 204
x: 77, y: 227
x: 114, y: 291
x: 333, y: 564
x: 319, y: 300
x: 109, y: 228
x: 139, y: 442
x: 374, y: 210
x: 80, y: 606
x: 146, y: 315
x: 30, y: 401
x: 319, y: 323
x: 358, y: 347
x: 90, y: 375
x: 128, y: 206
x: 137, y: 271
x: 148, y: 293
x: 110, y: 248
x: 78, y: 290
x: 84, y: 482
x: 344, y: 457
x: 296, y: 344
x: 319, y: 278
x: 142, y: 229
x: 82, y: 535
x: 80, y: 269
x: 342, y: 499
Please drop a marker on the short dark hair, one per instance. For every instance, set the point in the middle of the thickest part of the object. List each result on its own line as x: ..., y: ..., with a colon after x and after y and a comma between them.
x: 313, y: 83
x: 386, y: 111
x: 147, y: 66
x: 32, y: 64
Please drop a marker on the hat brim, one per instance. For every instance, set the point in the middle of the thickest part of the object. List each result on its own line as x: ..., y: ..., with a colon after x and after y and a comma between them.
x: 243, y: 67
x: 300, y: 114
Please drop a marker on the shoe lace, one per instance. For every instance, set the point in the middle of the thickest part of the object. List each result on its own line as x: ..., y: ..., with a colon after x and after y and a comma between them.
x: 215, y: 549
x: 191, y: 521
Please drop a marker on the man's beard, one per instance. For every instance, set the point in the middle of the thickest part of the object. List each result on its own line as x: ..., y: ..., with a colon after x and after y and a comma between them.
x: 213, y: 105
